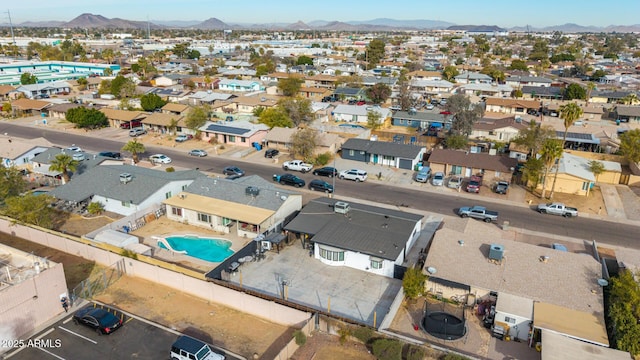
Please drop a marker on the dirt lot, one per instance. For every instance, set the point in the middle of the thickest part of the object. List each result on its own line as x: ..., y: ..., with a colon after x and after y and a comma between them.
x: 592, y: 204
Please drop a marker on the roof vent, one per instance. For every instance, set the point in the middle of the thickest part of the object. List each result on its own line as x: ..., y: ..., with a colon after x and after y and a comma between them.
x: 252, y: 191
x: 341, y: 207
x: 125, y: 178
x: 496, y: 252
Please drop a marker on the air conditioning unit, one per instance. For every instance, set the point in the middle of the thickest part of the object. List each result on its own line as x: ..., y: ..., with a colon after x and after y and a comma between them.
x: 341, y: 207
x: 125, y: 178
x: 496, y: 252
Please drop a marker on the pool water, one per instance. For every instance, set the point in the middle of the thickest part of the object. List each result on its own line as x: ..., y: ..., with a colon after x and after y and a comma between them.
x: 39, y: 192
x: 214, y: 250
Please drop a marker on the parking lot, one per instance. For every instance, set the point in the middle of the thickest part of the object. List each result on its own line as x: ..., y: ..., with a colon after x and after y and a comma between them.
x: 64, y: 339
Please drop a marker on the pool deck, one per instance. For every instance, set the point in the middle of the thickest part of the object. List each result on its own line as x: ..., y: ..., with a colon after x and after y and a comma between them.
x: 164, y: 227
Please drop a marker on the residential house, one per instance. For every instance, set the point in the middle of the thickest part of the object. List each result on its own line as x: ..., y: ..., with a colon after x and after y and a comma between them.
x: 313, y: 93
x: 575, y: 176
x: 41, y: 164
x: 518, y: 82
x: 239, y: 133
x: 239, y: 85
x: 348, y: 93
x: 610, y: 96
x: 431, y: 87
x: 473, y: 78
x: 401, y: 156
x: 177, y: 94
x: 362, y: 237
x: 501, y: 130
x: 320, y: 80
x: 165, y: 81
x: 29, y: 107
x: 424, y: 75
x: 208, y: 97
x: 203, y: 82
x: 238, y: 74
x: 369, y: 81
x: 175, y: 109
x: 280, y: 138
x: 419, y: 119
x: 627, y: 113
x: 166, y: 123
x: 358, y: 114
x: 539, y: 92
x: 59, y: 111
x: 488, y: 263
x: 465, y: 163
x: 518, y: 152
x: 20, y: 152
x: 244, y: 207
x: 40, y: 90
x: 6, y: 91
x: 510, y: 106
x: 248, y: 104
x: 485, y: 90
x: 277, y: 76
x: 118, y: 117
x: 125, y: 195
x: 593, y: 112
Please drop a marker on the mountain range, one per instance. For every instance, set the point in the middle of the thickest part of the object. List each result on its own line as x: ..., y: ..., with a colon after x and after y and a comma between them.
x: 91, y: 21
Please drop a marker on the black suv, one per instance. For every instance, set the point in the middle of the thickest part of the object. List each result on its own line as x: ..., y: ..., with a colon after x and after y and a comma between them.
x: 269, y: 153
x: 326, y: 171
x: 110, y: 154
x: 320, y: 185
x: 290, y: 179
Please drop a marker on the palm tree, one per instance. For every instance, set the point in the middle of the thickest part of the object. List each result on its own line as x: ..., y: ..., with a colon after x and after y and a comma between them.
x: 135, y: 148
x: 590, y: 87
x: 64, y: 163
x: 551, y: 151
x: 630, y: 99
x: 596, y: 167
x: 569, y: 113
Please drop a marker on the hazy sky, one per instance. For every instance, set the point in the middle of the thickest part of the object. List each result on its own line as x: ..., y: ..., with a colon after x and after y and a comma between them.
x: 506, y: 13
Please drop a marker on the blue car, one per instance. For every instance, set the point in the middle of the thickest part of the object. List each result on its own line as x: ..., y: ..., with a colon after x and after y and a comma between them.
x: 559, y: 247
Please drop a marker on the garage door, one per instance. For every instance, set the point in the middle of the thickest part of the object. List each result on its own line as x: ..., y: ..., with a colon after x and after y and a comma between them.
x: 405, y: 164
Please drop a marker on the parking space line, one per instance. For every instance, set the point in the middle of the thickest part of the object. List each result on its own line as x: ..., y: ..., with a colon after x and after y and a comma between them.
x: 50, y: 353
x: 78, y: 335
x: 46, y: 333
x: 67, y: 320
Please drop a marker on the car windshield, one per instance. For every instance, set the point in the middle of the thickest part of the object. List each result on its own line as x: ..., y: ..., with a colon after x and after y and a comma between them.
x: 203, y: 353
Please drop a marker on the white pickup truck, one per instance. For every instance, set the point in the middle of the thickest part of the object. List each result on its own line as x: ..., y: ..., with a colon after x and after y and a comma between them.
x: 557, y: 209
x: 297, y: 165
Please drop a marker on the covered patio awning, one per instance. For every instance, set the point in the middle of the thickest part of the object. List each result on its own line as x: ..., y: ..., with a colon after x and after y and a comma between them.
x: 573, y: 323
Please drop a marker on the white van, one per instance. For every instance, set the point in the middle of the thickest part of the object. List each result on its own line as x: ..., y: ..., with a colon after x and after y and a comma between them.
x: 188, y: 348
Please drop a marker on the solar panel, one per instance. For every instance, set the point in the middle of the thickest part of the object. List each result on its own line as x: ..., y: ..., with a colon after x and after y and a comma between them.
x: 227, y: 129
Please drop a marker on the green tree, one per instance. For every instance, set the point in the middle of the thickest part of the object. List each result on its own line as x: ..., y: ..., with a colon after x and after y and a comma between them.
x: 465, y: 115
x: 379, y: 93
x: 598, y: 74
x: 534, y: 136
x: 630, y: 99
x: 624, y: 312
x: 303, y: 143
x: 575, y: 91
x: 87, y: 118
x: 374, y: 53
x: 275, y: 117
x: 95, y: 208
x: 11, y: 182
x: 569, y: 113
x: 28, y: 79
x: 517, y: 93
x: 405, y: 100
x: 449, y: 73
x: 413, y: 283
x: 373, y: 120
x: 64, y: 164
x: 135, y: 148
x: 540, y: 50
x: 596, y: 167
x: 304, y: 60
x: 455, y: 141
x: 630, y: 145
x: 82, y: 83
x: 590, y: 87
x: 197, y: 117
x: 298, y: 110
x: 518, y: 65
x: 532, y: 171
x: 290, y: 86
x: 387, y: 349
x: 549, y: 154
x: 108, y: 55
x: 122, y: 87
x: 30, y: 209
x: 151, y: 102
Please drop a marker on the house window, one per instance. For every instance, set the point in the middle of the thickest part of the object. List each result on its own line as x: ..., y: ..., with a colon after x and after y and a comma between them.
x: 126, y: 204
x: 352, y: 152
x: 243, y: 139
x: 331, y: 254
x: 206, y: 218
x: 232, y: 138
x: 176, y: 211
x: 492, y: 133
x: 167, y: 195
x: 456, y: 170
x: 585, y: 186
x: 519, y: 109
x: 226, y: 221
x: 510, y: 320
x: 184, y: 187
x: 375, y: 263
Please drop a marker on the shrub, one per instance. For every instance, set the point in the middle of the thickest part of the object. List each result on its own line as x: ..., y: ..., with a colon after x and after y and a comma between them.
x: 414, y: 353
x: 170, y: 169
x: 363, y: 333
x: 129, y: 254
x: 387, y: 349
x: 344, y: 334
x: 300, y: 337
x: 451, y: 356
x: 323, y: 159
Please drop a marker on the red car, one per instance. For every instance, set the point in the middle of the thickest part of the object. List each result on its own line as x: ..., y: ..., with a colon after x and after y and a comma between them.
x: 474, y: 184
x: 445, y: 112
x: 360, y: 103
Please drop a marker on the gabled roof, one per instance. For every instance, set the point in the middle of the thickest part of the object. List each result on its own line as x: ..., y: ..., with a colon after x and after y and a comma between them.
x: 628, y: 110
x: 237, y: 128
x: 5, y: 89
x: 472, y: 160
x: 163, y: 119
x: 361, y: 110
x: 370, y: 230
x: 542, y: 90
x: 14, y: 148
x: 495, y: 124
x: 404, y: 151
x: 579, y: 167
x: 527, y: 104
x: 537, y: 79
x: 123, y: 115
x: 29, y: 104
x: 348, y: 91
x: 104, y: 180
x: 280, y: 134
x: 419, y: 115
x: 173, y: 107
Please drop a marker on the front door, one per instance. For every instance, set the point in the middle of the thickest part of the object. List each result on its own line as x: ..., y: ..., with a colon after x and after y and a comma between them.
x: 375, y: 158
x: 467, y: 172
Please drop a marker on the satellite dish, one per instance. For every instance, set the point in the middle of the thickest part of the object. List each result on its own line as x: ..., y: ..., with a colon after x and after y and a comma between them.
x: 431, y: 270
x: 603, y: 282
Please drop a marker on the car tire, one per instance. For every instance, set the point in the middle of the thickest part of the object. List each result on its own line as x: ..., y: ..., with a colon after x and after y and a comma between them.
x: 298, y: 185
x: 330, y: 175
x: 487, y: 220
x: 566, y: 215
x: 285, y: 168
x: 99, y: 332
x: 75, y: 321
x: 464, y: 216
x: 542, y: 211
x: 315, y: 173
x: 358, y: 180
x: 341, y: 177
x: 312, y: 189
x: 281, y: 182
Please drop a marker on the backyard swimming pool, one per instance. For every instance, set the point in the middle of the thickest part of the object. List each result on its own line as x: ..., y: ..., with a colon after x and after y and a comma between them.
x: 208, y: 249
x: 39, y: 192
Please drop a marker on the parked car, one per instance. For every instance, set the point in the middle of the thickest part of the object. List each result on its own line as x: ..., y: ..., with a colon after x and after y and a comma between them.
x: 103, y: 321
x: 557, y: 209
x: 559, y: 247
x: 188, y: 348
x: 320, y: 185
x: 474, y: 184
x: 198, y: 153
x: 78, y: 156
x: 233, y: 170
x: 137, y: 132
x: 438, y: 179
x: 361, y: 102
x: 110, y: 154
x: 478, y: 212
x: 353, y: 174
x: 73, y: 148
x: 184, y: 137
x: 429, y: 107
x: 501, y: 187
x: 289, y: 179
x: 326, y: 171
x: 297, y: 165
x: 160, y: 159
x: 423, y: 174
x: 455, y: 182
x: 271, y: 153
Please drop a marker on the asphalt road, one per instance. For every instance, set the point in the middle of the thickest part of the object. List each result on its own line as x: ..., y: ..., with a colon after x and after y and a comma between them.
x: 606, y: 232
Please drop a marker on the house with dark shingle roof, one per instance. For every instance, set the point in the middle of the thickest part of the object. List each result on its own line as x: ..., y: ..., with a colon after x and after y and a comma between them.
x: 510, y: 106
x: 363, y: 237
x: 419, y: 119
x: 146, y: 187
x: 464, y: 163
x: 401, y: 156
x: 245, y: 207
x: 627, y: 113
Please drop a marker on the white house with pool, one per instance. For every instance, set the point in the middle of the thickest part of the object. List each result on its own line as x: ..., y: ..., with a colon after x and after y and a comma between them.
x: 358, y: 236
x: 243, y: 207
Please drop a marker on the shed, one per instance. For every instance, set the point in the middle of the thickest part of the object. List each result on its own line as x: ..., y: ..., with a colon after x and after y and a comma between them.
x: 116, y: 238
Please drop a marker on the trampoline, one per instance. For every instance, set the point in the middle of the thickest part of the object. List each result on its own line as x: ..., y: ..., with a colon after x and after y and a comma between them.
x: 444, y: 324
